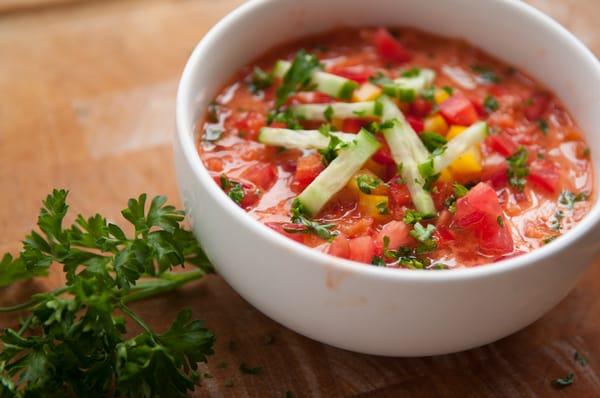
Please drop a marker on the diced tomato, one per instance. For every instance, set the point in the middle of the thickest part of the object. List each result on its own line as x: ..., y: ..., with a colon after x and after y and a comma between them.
x: 340, y: 247
x: 352, y: 125
x: 416, y: 123
x: 421, y: 107
x: 498, y: 91
x: 362, y: 249
x: 281, y: 228
x: 251, y: 192
x: 444, y: 236
x: 399, y: 194
x: 307, y: 169
x: 390, y: 48
x: 459, y: 110
x: 358, y: 73
x: 384, y: 156
x: 544, y: 175
x: 536, y: 106
x: 261, y: 174
x: 479, y: 212
x: 249, y: 123
x: 440, y: 193
x: 309, y: 97
x: 502, y: 143
x: 496, y: 175
x: 355, y: 227
x: 397, y: 233
x: 478, y: 105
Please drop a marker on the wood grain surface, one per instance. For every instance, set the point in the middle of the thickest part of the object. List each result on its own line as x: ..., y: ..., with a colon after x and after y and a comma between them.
x: 87, y: 92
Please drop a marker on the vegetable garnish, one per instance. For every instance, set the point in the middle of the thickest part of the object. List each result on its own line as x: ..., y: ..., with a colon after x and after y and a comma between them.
x: 568, y: 198
x: 580, y: 359
x: 302, y: 224
x: 260, y: 80
x: 518, y: 170
x: 72, y: 341
x: 297, y: 77
x: 491, y: 104
x: 486, y: 73
x: 564, y: 381
x: 234, y: 189
x: 367, y: 183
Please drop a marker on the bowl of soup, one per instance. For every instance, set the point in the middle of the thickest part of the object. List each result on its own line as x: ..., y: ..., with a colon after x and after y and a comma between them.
x: 390, y: 178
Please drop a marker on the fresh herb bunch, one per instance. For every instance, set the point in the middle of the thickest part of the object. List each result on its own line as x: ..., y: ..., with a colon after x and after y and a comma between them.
x: 72, y: 341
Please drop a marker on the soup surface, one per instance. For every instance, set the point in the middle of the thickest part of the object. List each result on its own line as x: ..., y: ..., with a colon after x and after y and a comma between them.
x: 397, y: 148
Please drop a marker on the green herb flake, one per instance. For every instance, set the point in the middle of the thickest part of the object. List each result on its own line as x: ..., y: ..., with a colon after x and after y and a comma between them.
x: 412, y: 217
x: 564, y: 381
x: 486, y: 73
x: 433, y: 141
x: 260, y: 80
x: 378, y: 261
x: 380, y: 79
x: 212, y: 132
x: 412, y: 72
x: 500, y: 221
x: 425, y: 237
x: 307, y: 226
x: 448, y: 90
x: 328, y: 113
x: 568, y: 198
x: 459, y: 190
x: 580, y: 359
x: 382, y: 208
x: 298, y: 77
x: 543, y: 126
x: 367, y: 183
x: 549, y: 239
x: 518, y: 170
x: 556, y: 220
x: 490, y: 103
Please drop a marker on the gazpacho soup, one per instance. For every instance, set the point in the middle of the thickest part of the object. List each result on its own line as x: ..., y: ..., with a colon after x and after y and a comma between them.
x: 397, y: 148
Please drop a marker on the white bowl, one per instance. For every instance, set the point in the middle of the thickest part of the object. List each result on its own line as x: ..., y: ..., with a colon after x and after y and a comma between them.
x: 370, y: 309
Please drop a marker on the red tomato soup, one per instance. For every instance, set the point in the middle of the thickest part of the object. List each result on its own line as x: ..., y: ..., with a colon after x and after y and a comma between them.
x: 397, y: 148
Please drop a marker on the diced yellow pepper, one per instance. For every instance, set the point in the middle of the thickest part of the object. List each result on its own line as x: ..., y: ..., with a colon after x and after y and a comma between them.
x: 446, y: 175
x: 454, y: 131
x: 366, y: 92
x: 440, y: 95
x: 353, y: 183
x: 375, y: 206
x: 436, y: 124
x: 467, y: 165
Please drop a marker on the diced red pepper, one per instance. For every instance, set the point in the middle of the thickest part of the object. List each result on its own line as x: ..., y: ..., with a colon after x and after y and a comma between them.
x: 352, y: 125
x: 390, y: 48
x: 307, y: 169
x: 458, y: 109
x: 261, y: 174
x: 362, y: 249
x: 536, y: 106
x: 358, y: 73
x: 502, y: 143
x: 398, y: 234
x: 421, y: 107
x: 416, y: 123
x: 340, y: 247
x: 444, y: 236
x: 545, y: 175
x: 479, y: 212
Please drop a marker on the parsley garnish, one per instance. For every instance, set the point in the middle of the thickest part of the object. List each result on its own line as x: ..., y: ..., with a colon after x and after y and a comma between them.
x: 549, y: 239
x: 425, y: 237
x: 486, y: 73
x: 328, y: 113
x: 580, y: 359
x: 433, y: 141
x: 73, y: 340
x: 380, y: 79
x: 412, y: 217
x: 212, y: 132
x: 448, y: 89
x: 556, y: 221
x: 568, y: 198
x: 297, y: 77
x: 367, y: 183
x: 564, y: 381
x: 500, y: 221
x: 491, y: 104
x: 382, y: 208
x: 307, y: 226
x: 412, y: 72
x: 518, y: 170
x: 260, y: 80
x: 233, y: 189
x: 286, y: 117
x: 543, y: 126
x: 334, y: 145
x: 459, y: 190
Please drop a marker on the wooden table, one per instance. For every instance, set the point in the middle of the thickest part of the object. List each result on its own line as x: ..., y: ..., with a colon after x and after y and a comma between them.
x: 87, y: 92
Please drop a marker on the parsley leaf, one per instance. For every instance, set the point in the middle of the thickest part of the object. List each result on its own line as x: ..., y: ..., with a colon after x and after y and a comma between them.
x: 518, y: 170
x: 297, y: 77
x: 412, y: 217
x: 260, y: 80
x: 233, y: 189
x: 580, y: 359
x: 486, y: 73
x: 543, y: 126
x: 490, y: 103
x: 307, y: 226
x: 433, y: 141
x: 425, y: 237
x: 334, y: 145
x: 568, y: 198
x: 367, y: 183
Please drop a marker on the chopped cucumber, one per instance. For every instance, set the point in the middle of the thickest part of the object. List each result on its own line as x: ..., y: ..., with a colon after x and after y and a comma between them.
x: 408, y: 88
x: 338, y: 173
x: 408, y: 151
x: 338, y: 110
x: 474, y: 135
x: 328, y: 83
x: 299, y: 139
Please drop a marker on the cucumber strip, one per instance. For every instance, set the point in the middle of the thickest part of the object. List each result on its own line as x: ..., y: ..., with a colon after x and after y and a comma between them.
x: 338, y: 173
x: 328, y: 83
x: 474, y: 135
x: 408, y: 88
x: 299, y: 139
x: 408, y: 151
x: 338, y: 110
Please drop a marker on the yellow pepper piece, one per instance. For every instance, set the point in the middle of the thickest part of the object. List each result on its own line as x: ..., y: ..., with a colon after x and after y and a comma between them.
x: 468, y: 164
x: 454, y: 131
x: 440, y: 96
x: 378, y: 185
x: 366, y: 92
x: 437, y: 124
x: 376, y: 206
x: 446, y: 175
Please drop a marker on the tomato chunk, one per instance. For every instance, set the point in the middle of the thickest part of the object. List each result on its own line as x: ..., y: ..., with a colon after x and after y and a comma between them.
x: 536, y: 106
x: 362, y: 249
x: 545, y: 175
x: 249, y: 124
x: 399, y: 194
x: 352, y: 125
x: 358, y: 73
x: 262, y: 174
x: 390, y: 48
x: 458, y: 109
x: 281, y: 228
x: 496, y: 175
x: 398, y: 234
x: 307, y: 169
x: 340, y: 247
x: 421, y: 107
x: 416, y: 123
x: 480, y: 213
x: 502, y: 143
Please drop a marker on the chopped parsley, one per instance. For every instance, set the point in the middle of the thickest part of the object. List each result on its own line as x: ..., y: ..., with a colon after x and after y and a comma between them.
x: 490, y: 103
x: 459, y: 190
x: 580, y: 359
x: 378, y: 261
x: 334, y: 145
x: 568, y: 198
x: 564, y: 381
x: 367, y: 183
x: 486, y: 73
x: 413, y: 72
x: 286, y: 117
x: 212, y: 132
x: 307, y: 226
x: 425, y: 237
x: 259, y: 80
x: 412, y: 217
x: 428, y: 94
x: 328, y: 113
x: 500, y: 221
x: 297, y: 77
x: 556, y: 221
x: 543, y: 126
x: 549, y: 239
x: 433, y: 141
x: 382, y: 208
x: 448, y: 89
x: 380, y: 79
x: 233, y: 189
x: 518, y: 170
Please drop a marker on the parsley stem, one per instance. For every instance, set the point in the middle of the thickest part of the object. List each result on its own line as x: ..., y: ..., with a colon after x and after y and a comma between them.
x: 136, y: 318
x: 36, y: 299
x: 168, y: 282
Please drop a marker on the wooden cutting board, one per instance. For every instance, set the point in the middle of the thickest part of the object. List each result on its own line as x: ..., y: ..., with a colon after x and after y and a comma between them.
x: 87, y: 92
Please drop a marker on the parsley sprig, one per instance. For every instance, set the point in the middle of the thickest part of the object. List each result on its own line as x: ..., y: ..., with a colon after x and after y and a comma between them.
x: 518, y: 169
x: 72, y: 340
x: 297, y: 77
